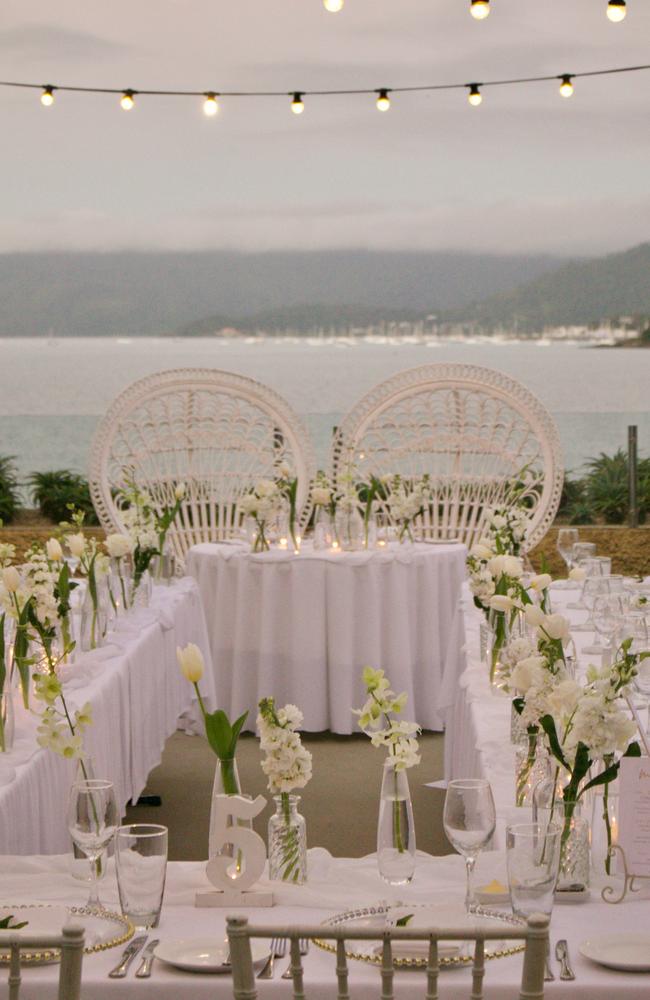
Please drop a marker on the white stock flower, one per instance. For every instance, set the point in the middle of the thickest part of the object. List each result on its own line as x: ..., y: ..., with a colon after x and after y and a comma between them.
x: 11, y: 579
x: 321, y: 496
x: 76, y: 543
x: 564, y: 697
x: 528, y: 673
x: 541, y: 582
x: 479, y: 551
x: 118, y: 545
x: 512, y: 566
x: 266, y: 488
x: 54, y: 550
x: 496, y: 565
x: 191, y: 662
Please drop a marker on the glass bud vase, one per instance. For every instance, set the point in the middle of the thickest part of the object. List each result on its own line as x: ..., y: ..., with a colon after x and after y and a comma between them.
x: 287, y: 841
x: 532, y: 766
x: 93, y: 623
x: 121, y: 584
x: 163, y: 567
x: 549, y: 806
x: 323, y: 529
x: 226, y: 782
x: 349, y: 528
x: 141, y: 591
x: 395, y: 829
x: 7, y: 719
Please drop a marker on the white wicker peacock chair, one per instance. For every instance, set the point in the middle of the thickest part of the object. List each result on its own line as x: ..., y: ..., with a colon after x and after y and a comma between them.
x: 472, y: 430
x: 217, y: 432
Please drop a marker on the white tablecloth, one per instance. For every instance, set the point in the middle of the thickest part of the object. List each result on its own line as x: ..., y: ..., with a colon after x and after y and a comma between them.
x: 301, y: 628
x: 137, y: 695
x: 334, y: 885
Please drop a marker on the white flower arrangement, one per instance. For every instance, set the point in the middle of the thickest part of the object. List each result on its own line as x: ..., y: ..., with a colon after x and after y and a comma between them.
x: 262, y: 504
x: 408, y: 499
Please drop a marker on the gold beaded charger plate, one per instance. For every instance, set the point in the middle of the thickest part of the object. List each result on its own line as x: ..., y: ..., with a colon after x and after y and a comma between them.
x: 103, y: 929
x: 414, y: 955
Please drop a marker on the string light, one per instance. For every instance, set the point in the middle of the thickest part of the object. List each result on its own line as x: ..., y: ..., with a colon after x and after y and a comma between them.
x: 479, y: 9
x: 383, y: 101
x: 566, y: 87
x: 616, y: 10
x: 47, y: 97
x: 297, y: 104
x: 210, y: 105
x: 475, y: 97
x: 333, y: 6
x: 126, y: 101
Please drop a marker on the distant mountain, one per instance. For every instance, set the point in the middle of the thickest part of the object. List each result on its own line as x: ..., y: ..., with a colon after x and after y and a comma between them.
x: 583, y: 292
x: 302, y: 318
x: 95, y: 294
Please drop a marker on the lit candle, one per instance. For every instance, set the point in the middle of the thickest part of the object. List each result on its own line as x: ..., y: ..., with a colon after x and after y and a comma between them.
x: 614, y: 828
x: 282, y: 544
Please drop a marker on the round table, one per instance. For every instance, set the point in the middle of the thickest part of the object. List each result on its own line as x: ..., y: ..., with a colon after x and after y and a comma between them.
x: 301, y: 627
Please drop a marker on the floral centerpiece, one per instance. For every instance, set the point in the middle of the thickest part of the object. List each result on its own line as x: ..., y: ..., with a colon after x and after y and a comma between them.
x: 94, y: 565
x: 370, y: 490
x: 378, y: 719
x: 287, y: 765
x: 222, y: 735
x: 263, y: 504
x: 147, y: 524
x: 288, y: 487
x: 324, y: 500
x: 407, y: 500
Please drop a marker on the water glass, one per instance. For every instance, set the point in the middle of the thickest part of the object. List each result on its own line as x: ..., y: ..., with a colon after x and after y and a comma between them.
x: 469, y: 819
x: 533, y: 861
x: 141, y: 865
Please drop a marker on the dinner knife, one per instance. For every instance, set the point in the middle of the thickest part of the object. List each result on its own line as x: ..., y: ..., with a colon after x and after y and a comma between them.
x: 562, y: 955
x: 147, y: 960
x: 131, y: 950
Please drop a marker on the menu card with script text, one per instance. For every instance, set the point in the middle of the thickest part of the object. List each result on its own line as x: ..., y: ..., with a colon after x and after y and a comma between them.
x: 634, y: 813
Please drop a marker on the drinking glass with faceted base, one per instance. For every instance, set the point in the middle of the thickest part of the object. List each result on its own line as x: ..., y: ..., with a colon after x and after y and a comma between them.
x: 469, y: 820
x: 533, y: 860
x: 141, y: 865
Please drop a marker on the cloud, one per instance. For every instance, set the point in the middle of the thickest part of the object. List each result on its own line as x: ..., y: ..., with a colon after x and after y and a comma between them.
x: 42, y: 41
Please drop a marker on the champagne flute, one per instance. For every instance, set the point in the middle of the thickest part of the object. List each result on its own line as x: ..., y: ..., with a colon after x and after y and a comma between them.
x: 566, y: 539
x: 92, y: 821
x: 469, y: 819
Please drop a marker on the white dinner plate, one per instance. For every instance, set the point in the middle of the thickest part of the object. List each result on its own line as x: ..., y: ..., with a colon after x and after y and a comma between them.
x: 204, y: 954
x: 625, y: 952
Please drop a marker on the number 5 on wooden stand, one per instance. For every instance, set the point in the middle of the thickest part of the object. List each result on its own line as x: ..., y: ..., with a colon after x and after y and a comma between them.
x: 234, y: 876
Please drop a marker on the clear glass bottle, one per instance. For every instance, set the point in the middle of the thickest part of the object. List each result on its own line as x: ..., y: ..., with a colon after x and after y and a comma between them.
x: 163, y: 568
x: 141, y: 594
x: 532, y: 767
x: 323, y: 529
x: 349, y: 527
x: 287, y: 841
x: 550, y: 806
x: 7, y: 718
x: 395, y: 828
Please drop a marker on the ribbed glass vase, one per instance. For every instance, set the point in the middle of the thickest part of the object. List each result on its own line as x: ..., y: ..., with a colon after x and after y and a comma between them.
x: 287, y: 841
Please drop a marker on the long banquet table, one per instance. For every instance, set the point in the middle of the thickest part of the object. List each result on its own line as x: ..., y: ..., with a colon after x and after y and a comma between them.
x: 334, y: 885
x: 302, y: 627
x: 137, y: 695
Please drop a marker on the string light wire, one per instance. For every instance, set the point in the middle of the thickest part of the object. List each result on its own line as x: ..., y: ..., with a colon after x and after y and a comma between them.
x: 334, y: 92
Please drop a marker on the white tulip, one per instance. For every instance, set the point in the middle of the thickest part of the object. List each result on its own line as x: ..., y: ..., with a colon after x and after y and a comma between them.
x: 76, y: 544
x: 11, y: 579
x: 557, y: 627
x: 180, y: 491
x: 499, y: 602
x: 541, y: 582
x: 118, y: 545
x: 190, y: 659
x: 534, y: 615
x: 54, y: 550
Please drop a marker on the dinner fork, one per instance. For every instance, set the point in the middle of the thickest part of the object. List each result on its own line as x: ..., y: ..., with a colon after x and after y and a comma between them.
x: 278, y: 950
x: 303, y: 948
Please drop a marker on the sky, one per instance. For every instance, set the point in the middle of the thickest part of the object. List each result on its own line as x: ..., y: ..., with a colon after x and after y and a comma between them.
x: 527, y: 171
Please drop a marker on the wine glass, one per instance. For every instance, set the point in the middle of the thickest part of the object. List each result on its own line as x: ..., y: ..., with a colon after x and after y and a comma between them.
x: 92, y: 821
x: 607, y: 613
x: 469, y: 819
x: 566, y: 539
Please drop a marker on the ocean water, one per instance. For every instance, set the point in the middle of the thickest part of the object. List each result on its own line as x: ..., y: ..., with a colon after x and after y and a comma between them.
x: 53, y: 393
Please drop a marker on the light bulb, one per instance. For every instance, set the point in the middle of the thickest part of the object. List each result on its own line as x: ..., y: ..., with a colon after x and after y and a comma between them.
x: 210, y: 105
x: 333, y: 6
x: 566, y: 87
x: 47, y: 97
x: 616, y: 10
x: 383, y: 101
x: 297, y: 104
x: 127, y: 102
x: 479, y: 9
x: 475, y: 97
